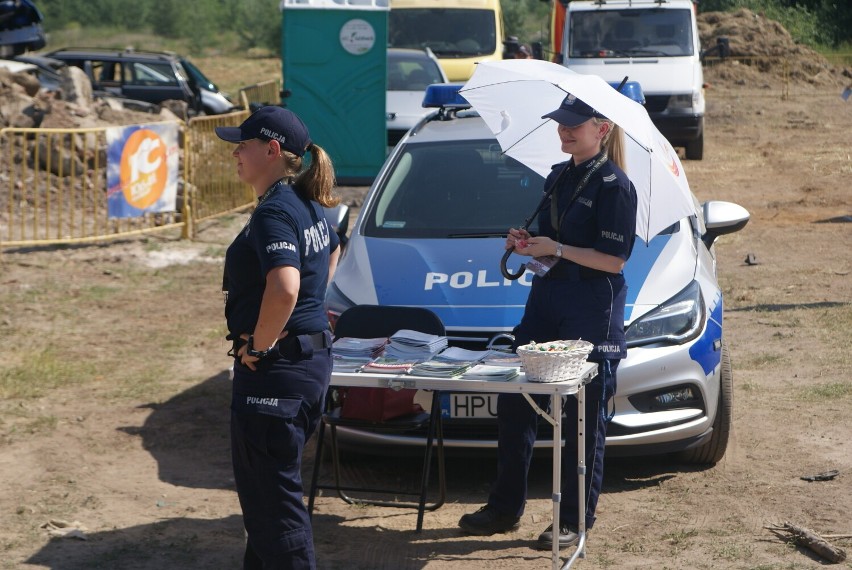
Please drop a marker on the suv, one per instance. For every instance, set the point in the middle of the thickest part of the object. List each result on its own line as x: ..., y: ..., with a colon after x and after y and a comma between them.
x: 431, y: 232
x: 147, y: 76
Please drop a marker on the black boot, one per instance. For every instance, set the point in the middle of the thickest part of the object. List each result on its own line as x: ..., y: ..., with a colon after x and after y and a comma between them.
x: 487, y: 521
x: 567, y: 537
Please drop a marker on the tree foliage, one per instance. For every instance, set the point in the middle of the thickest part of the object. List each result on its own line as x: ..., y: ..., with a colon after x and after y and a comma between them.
x: 813, y: 22
x: 257, y: 23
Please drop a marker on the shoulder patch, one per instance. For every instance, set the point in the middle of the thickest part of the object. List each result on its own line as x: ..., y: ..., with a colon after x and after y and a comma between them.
x: 611, y: 178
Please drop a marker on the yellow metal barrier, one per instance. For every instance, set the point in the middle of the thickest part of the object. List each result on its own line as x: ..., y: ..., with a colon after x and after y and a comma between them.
x: 57, y: 190
x: 53, y: 182
x: 212, y: 184
x: 263, y: 93
x: 54, y: 188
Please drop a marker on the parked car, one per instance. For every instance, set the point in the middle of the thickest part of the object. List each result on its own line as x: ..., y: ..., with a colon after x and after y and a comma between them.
x: 431, y: 233
x: 410, y: 71
x: 213, y: 100
x: 148, y: 76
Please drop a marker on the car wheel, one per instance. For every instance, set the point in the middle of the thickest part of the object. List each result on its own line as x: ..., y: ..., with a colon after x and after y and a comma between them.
x: 695, y: 148
x: 713, y: 451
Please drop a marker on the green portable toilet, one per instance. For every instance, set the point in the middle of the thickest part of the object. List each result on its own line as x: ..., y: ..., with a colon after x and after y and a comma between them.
x: 334, y: 57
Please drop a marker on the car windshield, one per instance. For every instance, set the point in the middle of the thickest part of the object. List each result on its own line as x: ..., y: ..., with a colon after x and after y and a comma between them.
x: 449, y: 32
x: 197, y: 76
x: 412, y: 74
x: 652, y: 32
x: 453, y: 190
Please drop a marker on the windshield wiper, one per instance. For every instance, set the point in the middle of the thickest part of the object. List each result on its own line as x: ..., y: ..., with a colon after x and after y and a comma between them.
x: 477, y: 235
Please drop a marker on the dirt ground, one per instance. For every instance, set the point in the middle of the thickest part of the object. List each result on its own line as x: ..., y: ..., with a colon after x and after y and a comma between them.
x: 114, y: 391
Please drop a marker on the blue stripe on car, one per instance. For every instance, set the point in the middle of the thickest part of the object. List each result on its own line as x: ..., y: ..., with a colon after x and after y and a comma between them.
x: 704, y: 350
x: 639, y: 266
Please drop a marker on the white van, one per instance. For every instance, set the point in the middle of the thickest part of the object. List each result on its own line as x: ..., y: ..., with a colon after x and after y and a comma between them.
x: 654, y: 42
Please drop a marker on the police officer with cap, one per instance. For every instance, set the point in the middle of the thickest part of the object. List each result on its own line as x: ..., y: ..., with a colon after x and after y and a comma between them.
x: 588, y: 228
x: 276, y: 273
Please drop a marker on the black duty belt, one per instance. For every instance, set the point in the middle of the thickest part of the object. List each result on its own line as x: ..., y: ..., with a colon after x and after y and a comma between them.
x: 318, y: 340
x: 292, y: 346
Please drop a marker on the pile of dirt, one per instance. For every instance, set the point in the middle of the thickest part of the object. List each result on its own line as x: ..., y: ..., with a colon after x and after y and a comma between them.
x: 762, y: 50
x: 24, y: 105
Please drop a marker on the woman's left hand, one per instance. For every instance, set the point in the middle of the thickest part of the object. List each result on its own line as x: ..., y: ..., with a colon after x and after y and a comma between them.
x: 250, y: 361
x: 536, y: 247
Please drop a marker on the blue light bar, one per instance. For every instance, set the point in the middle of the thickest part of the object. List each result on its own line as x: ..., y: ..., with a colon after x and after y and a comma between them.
x: 631, y: 90
x: 445, y: 95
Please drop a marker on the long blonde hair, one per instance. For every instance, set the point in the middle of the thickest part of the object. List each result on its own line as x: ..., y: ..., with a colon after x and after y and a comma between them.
x: 613, y: 143
x: 317, y: 182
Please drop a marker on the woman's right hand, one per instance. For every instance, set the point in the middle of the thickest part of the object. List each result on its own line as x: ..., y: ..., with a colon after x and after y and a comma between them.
x: 517, y: 238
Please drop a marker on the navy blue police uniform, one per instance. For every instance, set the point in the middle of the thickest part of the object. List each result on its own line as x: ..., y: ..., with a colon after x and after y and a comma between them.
x: 571, y: 302
x: 275, y: 409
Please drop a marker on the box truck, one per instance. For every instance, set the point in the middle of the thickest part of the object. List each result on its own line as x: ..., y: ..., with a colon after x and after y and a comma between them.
x: 654, y: 42
x: 460, y: 33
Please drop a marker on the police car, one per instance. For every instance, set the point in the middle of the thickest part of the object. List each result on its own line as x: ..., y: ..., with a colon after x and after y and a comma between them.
x: 431, y: 234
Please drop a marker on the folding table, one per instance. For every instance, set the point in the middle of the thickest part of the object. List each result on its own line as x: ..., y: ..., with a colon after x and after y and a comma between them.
x: 556, y: 390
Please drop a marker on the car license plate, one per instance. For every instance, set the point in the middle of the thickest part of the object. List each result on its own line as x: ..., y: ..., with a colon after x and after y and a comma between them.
x: 469, y: 406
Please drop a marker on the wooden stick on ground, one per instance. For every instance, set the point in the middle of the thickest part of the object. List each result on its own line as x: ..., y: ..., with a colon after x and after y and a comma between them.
x: 809, y: 539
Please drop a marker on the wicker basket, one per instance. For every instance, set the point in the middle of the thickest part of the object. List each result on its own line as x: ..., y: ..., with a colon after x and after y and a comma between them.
x: 554, y: 361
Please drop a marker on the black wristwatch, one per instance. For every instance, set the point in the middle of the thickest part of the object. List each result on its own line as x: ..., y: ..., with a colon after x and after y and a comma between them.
x: 259, y: 354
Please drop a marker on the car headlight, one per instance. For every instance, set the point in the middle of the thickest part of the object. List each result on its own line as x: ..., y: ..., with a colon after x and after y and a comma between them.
x: 678, y: 320
x: 686, y: 101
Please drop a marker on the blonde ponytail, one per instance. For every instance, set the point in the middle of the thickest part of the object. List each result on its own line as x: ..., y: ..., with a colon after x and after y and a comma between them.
x: 316, y: 183
x: 613, y: 143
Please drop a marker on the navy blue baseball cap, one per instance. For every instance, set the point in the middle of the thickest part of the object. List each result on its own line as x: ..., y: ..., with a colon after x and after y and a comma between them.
x: 271, y: 123
x: 573, y: 112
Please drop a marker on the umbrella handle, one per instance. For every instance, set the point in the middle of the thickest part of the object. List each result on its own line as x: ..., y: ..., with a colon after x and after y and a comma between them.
x: 544, y: 199
x: 505, y: 271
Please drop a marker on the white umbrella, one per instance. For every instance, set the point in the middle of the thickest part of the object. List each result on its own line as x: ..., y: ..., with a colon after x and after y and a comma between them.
x: 512, y: 95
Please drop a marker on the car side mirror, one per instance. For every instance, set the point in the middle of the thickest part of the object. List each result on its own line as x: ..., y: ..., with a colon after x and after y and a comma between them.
x: 722, y: 218
x: 338, y: 217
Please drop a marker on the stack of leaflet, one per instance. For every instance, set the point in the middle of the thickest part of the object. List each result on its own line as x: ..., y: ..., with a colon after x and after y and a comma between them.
x: 389, y: 365
x: 489, y: 372
x: 411, y: 345
x: 449, y: 362
x: 440, y: 368
x: 456, y: 354
x: 351, y: 354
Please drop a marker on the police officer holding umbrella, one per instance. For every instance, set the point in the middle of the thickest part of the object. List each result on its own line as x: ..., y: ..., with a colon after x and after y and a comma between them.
x: 579, y: 292
x: 276, y: 273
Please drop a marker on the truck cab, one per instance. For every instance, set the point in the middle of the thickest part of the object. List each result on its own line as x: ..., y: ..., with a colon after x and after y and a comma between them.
x: 653, y: 42
x: 460, y: 33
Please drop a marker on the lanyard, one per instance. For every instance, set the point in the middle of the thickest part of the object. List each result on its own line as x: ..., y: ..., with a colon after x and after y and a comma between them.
x: 555, y: 220
x: 269, y: 192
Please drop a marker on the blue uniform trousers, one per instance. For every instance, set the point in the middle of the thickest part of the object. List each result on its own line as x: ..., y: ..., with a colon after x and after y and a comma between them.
x: 567, y: 308
x: 273, y: 413
x: 517, y: 431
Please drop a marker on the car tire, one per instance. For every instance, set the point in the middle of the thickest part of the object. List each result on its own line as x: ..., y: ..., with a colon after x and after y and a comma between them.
x: 695, y: 148
x: 713, y: 451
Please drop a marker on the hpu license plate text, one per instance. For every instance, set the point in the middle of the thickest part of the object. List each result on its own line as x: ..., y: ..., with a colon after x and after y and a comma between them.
x: 469, y: 405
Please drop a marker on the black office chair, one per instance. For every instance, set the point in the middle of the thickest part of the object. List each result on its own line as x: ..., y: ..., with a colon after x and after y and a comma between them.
x: 376, y: 321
